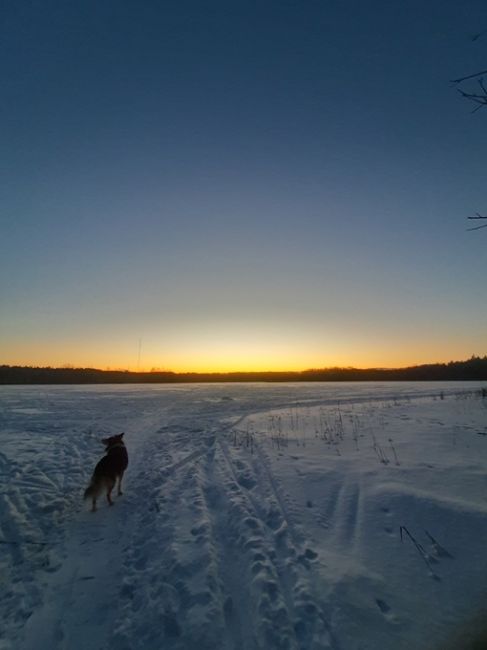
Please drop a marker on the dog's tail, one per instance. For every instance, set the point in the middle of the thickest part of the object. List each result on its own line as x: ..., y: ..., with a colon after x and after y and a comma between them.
x: 90, y: 491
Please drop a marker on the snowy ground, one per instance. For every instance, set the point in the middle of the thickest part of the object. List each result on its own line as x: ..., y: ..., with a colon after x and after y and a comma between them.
x: 260, y: 516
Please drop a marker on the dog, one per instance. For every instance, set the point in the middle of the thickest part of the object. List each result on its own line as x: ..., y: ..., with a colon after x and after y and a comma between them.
x: 110, y: 468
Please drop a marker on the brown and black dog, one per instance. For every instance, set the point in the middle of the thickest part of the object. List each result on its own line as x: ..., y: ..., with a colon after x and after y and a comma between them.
x: 108, y: 469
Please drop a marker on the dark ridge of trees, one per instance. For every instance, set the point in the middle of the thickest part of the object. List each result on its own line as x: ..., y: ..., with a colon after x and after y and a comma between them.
x: 474, y: 369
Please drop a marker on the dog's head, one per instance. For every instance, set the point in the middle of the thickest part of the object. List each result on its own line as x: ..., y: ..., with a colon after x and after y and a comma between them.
x: 113, y: 440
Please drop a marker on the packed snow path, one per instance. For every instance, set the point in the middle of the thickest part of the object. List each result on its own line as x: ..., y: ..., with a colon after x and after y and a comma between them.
x: 254, y: 517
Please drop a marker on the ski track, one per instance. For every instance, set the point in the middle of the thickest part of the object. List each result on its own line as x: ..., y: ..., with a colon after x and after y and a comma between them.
x: 227, y: 505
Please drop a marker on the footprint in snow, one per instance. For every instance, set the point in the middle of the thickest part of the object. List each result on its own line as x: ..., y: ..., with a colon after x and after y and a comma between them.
x: 274, y: 519
x: 386, y: 610
x: 308, y: 556
x: 200, y: 530
x: 383, y: 606
x: 246, y: 481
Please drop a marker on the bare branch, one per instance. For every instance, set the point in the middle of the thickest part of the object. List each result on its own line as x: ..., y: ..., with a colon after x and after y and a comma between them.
x: 480, y: 99
x: 476, y: 98
x: 476, y: 217
x: 470, y: 76
x: 476, y: 36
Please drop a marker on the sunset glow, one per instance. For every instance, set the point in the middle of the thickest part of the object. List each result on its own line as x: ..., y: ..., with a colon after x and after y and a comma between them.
x: 213, y: 354
x: 199, y: 190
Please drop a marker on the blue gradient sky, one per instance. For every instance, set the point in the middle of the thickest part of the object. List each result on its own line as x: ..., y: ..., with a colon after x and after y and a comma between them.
x: 241, y: 185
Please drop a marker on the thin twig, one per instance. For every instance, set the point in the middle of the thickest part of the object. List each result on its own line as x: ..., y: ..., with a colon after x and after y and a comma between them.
x: 477, y: 216
x: 470, y: 76
x: 419, y: 548
x: 440, y: 550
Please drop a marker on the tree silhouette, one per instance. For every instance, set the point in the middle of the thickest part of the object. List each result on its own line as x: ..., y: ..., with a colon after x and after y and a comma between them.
x: 478, y: 96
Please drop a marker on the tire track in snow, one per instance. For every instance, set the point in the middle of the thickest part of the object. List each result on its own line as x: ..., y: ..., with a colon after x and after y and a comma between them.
x: 193, y: 573
x: 348, y: 514
x: 291, y: 560
x: 262, y: 604
x: 332, y: 498
x: 169, y: 563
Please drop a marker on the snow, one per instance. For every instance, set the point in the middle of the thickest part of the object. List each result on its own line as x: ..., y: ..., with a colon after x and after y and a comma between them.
x: 254, y: 516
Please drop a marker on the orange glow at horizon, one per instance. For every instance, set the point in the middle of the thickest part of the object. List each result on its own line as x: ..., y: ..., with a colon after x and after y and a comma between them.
x: 242, y: 346
x: 240, y: 362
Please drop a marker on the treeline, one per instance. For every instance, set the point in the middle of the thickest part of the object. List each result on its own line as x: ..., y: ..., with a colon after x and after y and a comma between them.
x: 473, y: 369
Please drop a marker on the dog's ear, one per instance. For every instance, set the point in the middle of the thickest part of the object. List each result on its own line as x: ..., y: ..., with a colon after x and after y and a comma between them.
x: 104, y: 441
x: 121, y: 435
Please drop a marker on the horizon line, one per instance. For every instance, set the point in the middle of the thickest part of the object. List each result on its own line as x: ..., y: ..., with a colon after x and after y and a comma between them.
x: 156, y: 370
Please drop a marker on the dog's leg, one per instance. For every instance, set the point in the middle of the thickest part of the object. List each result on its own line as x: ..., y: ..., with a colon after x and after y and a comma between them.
x: 93, y: 504
x: 120, y: 484
x: 110, y: 487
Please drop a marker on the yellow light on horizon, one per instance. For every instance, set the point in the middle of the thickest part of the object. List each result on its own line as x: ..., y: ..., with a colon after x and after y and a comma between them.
x: 239, y: 347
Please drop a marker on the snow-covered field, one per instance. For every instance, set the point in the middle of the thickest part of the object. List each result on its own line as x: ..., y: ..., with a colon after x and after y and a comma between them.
x: 255, y: 516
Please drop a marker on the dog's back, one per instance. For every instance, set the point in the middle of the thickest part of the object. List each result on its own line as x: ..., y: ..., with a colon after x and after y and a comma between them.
x: 114, y: 463
x: 110, y: 468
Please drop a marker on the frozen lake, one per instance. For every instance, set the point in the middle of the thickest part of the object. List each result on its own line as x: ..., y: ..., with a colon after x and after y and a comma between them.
x: 255, y: 516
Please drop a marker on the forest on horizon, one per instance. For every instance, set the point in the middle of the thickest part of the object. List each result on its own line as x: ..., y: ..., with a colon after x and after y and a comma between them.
x: 473, y: 369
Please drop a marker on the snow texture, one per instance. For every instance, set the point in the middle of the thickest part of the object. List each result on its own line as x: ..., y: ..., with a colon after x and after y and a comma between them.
x: 254, y: 517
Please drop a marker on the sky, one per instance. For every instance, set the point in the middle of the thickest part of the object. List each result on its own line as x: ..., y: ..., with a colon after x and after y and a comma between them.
x: 241, y: 185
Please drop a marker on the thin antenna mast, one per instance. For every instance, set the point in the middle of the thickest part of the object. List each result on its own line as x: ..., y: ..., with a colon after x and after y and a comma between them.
x: 138, y: 355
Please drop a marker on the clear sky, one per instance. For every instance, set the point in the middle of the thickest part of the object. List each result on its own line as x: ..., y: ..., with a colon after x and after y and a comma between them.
x: 240, y: 185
